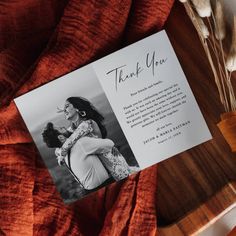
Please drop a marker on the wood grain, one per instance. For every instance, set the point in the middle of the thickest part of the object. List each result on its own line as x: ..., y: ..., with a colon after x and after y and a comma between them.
x: 205, y: 215
x: 201, y: 175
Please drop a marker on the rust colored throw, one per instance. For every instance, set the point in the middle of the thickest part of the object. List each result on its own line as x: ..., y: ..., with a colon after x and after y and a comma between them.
x: 41, y: 40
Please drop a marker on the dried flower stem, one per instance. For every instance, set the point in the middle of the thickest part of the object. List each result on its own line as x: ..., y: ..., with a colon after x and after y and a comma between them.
x: 226, y: 73
x: 203, y: 7
x: 222, y: 76
x: 213, y: 47
x: 231, y: 59
x: 219, y: 21
x: 192, y: 16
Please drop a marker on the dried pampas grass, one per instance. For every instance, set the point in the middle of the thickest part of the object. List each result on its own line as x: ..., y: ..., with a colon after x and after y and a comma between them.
x: 219, y: 21
x: 231, y: 59
x: 203, y: 7
x: 203, y: 27
x: 211, y: 28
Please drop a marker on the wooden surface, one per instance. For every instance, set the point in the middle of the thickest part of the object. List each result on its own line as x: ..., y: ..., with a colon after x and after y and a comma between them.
x: 204, y: 215
x: 197, y: 185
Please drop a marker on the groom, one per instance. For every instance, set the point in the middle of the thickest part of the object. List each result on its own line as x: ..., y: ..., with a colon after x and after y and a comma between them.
x: 82, y: 162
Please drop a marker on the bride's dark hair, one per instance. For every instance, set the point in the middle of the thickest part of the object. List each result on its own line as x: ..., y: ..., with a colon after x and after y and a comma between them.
x: 84, y: 105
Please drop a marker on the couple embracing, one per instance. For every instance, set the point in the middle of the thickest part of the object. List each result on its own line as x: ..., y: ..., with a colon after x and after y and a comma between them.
x: 83, y: 148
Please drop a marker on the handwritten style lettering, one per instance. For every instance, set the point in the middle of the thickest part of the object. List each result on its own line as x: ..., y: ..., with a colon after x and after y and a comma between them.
x: 151, y: 63
x: 121, y: 77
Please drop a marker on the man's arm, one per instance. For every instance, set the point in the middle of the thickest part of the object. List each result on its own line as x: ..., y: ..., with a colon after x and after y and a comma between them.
x: 96, y: 145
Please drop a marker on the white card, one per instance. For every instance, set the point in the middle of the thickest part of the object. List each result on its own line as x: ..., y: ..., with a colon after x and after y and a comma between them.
x: 149, y: 113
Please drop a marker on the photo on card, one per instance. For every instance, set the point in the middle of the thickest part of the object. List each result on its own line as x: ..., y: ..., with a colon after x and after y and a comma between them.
x: 77, y: 134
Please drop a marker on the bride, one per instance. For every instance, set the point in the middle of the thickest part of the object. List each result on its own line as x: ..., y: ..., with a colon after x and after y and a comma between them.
x: 87, y: 121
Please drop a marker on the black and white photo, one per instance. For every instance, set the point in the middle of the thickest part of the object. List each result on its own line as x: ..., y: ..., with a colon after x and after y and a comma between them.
x: 78, y: 135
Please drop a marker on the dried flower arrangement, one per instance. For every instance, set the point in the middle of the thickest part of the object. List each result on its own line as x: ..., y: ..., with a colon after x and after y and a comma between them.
x: 208, y: 18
